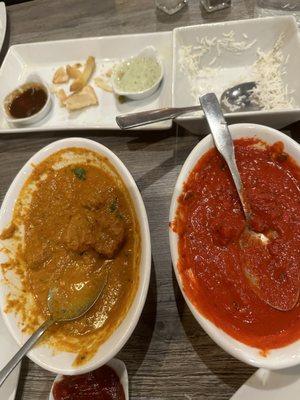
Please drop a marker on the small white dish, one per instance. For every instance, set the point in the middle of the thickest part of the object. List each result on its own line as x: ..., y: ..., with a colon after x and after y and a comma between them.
x: 233, y: 66
x: 283, y: 357
x: 149, y: 52
x: 120, y: 369
x: 19, y: 122
x: 44, y: 356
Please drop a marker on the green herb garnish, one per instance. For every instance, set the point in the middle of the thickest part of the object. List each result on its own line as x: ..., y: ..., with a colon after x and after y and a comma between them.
x: 122, y: 99
x: 113, y: 206
x: 119, y: 215
x: 80, y: 173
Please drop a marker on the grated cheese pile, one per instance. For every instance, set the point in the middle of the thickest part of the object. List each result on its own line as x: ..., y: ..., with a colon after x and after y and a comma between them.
x: 268, y: 70
x: 192, y: 59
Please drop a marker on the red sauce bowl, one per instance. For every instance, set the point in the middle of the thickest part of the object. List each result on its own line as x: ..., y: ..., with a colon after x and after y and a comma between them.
x: 117, y: 366
x: 282, y: 357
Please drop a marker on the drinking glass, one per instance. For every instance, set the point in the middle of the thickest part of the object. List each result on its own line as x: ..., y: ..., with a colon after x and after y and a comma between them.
x: 170, y: 6
x: 266, y: 8
x: 215, y: 5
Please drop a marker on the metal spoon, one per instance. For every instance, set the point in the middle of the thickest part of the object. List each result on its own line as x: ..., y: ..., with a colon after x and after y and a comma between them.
x: 58, y: 313
x: 223, y: 141
x: 237, y: 96
x: 224, y: 144
x: 134, y: 120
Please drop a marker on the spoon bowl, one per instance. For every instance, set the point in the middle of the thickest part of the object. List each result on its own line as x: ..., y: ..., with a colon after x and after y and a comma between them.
x: 68, y: 305
x: 63, y: 307
x: 238, y: 98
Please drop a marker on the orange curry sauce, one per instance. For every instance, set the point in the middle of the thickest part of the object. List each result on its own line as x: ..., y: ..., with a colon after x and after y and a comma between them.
x: 209, y: 223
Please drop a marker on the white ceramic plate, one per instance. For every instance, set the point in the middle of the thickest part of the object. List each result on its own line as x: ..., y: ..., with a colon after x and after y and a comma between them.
x: 234, y: 66
x: 271, y: 385
x: 8, y: 348
x: 45, y: 57
x: 61, y: 362
x: 277, y: 358
x: 120, y: 369
x: 2, y: 23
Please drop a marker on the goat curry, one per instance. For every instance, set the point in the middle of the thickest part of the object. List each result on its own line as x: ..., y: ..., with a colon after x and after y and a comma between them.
x: 73, y: 221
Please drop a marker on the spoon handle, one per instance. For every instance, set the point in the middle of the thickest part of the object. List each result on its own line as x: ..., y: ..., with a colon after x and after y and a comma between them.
x: 24, y: 350
x: 134, y: 120
x: 223, y: 140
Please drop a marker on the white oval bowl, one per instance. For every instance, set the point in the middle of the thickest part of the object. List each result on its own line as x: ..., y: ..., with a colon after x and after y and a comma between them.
x: 61, y: 362
x: 120, y: 369
x: 277, y: 358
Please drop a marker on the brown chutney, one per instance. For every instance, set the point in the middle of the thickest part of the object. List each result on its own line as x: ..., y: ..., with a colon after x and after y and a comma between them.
x: 26, y: 101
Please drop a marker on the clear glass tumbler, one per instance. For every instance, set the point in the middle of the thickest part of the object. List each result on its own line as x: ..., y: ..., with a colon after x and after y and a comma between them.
x: 170, y: 6
x: 215, y: 5
x: 266, y: 8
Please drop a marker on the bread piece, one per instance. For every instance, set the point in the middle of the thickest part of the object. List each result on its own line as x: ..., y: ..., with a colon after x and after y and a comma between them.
x: 60, y: 76
x: 85, y: 98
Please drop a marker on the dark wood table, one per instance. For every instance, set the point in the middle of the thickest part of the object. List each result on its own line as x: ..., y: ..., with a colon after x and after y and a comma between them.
x: 168, y: 356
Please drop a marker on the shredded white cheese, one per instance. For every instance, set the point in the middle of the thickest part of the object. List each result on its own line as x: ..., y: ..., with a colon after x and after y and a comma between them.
x: 268, y: 71
x: 192, y: 60
x: 208, y: 76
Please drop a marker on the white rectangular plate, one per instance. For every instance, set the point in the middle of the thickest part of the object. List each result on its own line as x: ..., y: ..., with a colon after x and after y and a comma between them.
x: 45, y: 57
x: 234, y: 66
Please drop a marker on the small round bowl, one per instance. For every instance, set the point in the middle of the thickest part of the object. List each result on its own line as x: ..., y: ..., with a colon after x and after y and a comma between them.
x: 120, y: 369
x: 149, y: 51
x: 35, y: 117
x: 282, y: 357
x: 62, y: 362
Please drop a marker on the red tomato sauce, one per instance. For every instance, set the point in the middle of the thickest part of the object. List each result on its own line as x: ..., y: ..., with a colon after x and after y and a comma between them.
x: 101, y: 384
x: 212, y: 261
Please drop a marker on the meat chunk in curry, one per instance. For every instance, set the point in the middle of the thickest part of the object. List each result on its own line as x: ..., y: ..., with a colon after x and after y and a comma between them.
x: 101, y: 231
